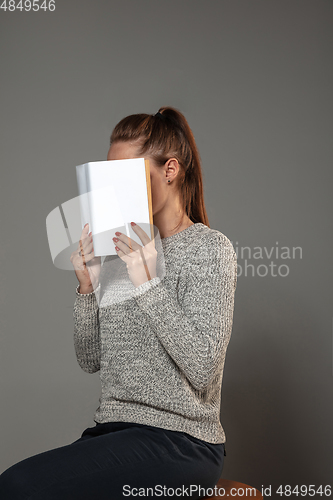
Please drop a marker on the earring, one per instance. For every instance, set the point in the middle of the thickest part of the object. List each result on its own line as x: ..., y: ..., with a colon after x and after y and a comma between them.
x: 169, y: 180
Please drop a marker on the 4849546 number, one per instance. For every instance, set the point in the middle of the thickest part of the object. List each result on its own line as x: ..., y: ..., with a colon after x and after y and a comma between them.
x: 302, y: 491
x: 27, y: 5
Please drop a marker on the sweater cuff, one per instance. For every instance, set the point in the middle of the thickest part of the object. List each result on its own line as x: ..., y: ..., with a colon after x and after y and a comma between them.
x: 88, y: 298
x: 146, y: 286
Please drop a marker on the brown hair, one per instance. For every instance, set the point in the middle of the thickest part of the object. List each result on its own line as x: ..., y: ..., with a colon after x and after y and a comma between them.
x: 164, y: 137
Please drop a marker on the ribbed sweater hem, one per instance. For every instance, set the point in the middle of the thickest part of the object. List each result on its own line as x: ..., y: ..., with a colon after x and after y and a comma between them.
x: 211, y: 432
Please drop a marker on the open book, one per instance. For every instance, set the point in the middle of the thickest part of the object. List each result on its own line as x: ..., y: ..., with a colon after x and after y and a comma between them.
x: 112, y: 194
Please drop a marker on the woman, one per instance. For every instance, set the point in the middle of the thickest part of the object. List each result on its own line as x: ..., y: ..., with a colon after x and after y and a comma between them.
x: 160, y: 353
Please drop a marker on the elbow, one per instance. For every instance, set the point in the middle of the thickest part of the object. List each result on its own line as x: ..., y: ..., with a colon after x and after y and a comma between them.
x: 200, y: 383
x: 202, y: 380
x: 203, y: 384
x: 89, y: 368
x: 89, y: 361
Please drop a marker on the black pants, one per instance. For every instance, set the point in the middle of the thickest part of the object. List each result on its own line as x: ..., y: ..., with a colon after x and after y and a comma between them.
x: 110, y: 460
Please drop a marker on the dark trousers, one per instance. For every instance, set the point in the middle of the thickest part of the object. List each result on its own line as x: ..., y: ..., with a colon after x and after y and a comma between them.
x: 115, y: 461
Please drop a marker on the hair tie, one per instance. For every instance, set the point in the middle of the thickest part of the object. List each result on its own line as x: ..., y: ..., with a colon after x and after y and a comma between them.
x: 160, y: 115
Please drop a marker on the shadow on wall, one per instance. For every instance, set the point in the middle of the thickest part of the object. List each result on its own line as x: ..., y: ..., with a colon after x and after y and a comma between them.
x: 271, y: 396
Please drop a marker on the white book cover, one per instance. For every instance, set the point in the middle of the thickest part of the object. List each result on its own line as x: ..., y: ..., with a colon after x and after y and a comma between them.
x: 112, y: 194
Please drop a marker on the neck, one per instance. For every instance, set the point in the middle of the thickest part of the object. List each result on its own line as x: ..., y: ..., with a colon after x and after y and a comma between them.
x: 166, y: 225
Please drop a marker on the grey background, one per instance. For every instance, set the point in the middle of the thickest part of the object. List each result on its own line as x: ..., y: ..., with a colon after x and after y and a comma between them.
x: 254, y: 80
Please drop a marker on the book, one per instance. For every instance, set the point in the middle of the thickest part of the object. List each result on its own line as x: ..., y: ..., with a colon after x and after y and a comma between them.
x: 113, y: 193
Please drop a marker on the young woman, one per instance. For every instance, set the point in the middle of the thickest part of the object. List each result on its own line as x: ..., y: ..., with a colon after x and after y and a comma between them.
x: 160, y: 352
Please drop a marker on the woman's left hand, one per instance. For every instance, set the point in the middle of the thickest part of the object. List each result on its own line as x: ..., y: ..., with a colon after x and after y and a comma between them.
x: 141, y: 261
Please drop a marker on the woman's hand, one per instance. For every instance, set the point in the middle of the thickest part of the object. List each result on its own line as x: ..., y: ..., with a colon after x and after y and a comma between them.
x: 87, y: 267
x: 141, y: 261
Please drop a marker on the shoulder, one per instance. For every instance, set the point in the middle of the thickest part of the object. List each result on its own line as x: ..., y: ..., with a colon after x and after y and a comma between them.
x: 213, y: 243
x: 211, y: 256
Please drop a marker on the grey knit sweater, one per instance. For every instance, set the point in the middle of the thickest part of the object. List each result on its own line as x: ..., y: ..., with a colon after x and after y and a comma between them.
x: 161, y: 352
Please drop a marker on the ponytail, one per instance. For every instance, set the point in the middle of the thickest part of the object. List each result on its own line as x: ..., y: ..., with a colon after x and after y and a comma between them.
x: 165, y: 135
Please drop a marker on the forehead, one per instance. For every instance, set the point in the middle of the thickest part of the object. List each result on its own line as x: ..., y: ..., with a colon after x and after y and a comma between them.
x: 122, y: 150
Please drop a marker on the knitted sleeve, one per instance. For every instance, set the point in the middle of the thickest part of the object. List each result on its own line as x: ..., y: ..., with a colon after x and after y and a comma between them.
x: 196, y: 329
x: 86, y: 331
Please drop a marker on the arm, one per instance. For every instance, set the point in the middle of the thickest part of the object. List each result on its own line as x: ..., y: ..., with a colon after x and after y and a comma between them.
x: 196, y: 332
x: 86, y: 331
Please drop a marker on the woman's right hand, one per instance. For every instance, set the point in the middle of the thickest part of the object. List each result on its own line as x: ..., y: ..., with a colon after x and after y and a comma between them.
x: 87, y: 267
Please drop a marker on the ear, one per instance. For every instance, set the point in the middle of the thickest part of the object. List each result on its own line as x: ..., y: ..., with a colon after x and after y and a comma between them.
x: 171, y: 169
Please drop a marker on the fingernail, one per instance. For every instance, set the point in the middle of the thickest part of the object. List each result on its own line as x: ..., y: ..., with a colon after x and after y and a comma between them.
x: 133, y: 224
x: 86, y: 224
